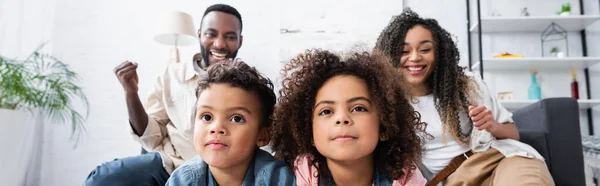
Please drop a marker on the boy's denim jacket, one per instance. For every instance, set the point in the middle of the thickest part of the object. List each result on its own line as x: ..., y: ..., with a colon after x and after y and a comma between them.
x: 263, y: 170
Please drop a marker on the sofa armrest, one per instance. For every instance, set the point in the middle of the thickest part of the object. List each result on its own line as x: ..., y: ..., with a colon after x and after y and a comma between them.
x: 551, y: 126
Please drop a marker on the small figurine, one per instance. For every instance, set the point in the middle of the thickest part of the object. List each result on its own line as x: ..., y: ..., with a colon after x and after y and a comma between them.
x: 495, y: 13
x: 524, y: 12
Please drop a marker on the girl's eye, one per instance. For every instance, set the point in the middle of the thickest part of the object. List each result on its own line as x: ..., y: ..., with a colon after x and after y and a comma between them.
x: 359, y: 109
x: 206, y: 117
x: 325, y: 112
x: 425, y: 50
x: 237, y: 119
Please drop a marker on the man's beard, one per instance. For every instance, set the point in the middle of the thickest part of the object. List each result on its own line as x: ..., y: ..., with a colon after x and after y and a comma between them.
x: 205, y: 57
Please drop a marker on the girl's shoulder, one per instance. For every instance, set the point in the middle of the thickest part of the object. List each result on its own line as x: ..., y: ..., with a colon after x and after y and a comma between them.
x: 416, y: 179
x: 306, y: 173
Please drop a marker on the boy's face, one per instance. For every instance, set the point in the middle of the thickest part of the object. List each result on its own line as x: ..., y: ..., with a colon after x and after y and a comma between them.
x: 227, y: 126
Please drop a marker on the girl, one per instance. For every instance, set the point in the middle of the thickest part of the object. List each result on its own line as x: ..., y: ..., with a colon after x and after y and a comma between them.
x: 346, y: 122
x: 474, y: 138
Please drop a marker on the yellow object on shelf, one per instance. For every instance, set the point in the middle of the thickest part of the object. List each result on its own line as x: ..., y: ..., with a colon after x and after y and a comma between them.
x: 507, y: 55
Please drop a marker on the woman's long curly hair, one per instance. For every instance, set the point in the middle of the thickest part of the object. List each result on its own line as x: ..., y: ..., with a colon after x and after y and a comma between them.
x: 305, y: 75
x: 448, y: 83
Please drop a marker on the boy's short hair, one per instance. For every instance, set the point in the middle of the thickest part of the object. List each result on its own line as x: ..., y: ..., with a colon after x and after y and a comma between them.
x: 238, y: 74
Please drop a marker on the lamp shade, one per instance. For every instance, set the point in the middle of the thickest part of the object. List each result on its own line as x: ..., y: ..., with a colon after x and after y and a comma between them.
x: 176, y: 28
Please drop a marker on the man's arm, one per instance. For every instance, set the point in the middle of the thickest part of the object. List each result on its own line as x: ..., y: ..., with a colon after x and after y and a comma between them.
x: 138, y: 118
x: 127, y: 75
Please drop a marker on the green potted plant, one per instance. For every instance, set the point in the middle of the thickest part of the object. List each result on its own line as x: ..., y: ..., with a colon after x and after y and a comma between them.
x: 554, y: 52
x: 41, y: 83
x: 565, y: 9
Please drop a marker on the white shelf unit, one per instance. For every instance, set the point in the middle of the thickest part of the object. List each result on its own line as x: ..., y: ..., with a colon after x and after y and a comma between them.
x: 517, y: 104
x: 534, y: 23
x: 565, y: 63
x: 484, y: 24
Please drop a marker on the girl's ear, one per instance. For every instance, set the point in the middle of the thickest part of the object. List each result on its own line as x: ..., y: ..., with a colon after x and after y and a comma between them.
x: 263, y: 138
x: 383, y: 137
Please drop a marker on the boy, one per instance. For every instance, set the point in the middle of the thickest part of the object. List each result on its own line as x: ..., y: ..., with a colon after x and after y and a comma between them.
x: 232, y: 118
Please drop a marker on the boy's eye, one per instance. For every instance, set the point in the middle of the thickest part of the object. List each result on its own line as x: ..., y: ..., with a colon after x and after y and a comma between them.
x: 206, y: 117
x: 237, y: 119
x: 359, y: 109
x: 325, y: 112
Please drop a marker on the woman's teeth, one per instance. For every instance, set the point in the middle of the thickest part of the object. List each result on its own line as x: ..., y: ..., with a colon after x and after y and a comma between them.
x: 416, y: 68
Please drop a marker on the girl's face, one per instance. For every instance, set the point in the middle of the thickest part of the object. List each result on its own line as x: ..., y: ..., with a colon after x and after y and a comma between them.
x: 418, y: 56
x: 345, y: 120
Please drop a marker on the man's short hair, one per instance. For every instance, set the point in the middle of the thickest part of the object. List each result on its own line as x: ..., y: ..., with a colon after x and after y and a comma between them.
x: 225, y: 9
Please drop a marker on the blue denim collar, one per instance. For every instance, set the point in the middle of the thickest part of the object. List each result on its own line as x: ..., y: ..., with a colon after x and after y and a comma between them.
x: 248, y: 179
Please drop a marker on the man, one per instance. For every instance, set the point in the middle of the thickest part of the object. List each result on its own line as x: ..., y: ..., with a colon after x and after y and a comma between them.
x: 165, y: 127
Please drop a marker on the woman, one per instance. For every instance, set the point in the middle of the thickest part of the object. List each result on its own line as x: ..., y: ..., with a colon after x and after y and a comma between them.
x: 474, y: 140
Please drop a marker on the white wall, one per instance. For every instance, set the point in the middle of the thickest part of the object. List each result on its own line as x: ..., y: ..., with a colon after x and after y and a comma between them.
x: 25, y: 25
x: 347, y: 25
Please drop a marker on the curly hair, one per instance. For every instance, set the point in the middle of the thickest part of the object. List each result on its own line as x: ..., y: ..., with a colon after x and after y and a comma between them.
x: 448, y: 81
x: 306, y: 74
x: 239, y: 74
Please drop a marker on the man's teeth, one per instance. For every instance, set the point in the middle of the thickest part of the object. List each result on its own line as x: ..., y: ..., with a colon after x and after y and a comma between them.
x: 416, y: 68
x: 218, y: 55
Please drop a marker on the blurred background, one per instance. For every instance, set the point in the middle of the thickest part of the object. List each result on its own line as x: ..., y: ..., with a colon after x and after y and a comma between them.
x: 93, y: 37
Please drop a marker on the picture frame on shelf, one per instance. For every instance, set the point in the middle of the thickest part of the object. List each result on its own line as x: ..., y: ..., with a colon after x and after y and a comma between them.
x: 504, y: 96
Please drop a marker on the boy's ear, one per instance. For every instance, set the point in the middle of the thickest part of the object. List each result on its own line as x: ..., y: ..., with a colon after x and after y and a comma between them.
x: 263, y: 138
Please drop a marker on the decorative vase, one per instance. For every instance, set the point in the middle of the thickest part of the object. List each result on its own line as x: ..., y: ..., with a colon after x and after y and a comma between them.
x: 16, y: 137
x: 574, y: 85
x: 535, y: 93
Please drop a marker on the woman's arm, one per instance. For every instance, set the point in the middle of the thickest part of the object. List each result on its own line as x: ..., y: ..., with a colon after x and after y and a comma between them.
x: 506, y: 130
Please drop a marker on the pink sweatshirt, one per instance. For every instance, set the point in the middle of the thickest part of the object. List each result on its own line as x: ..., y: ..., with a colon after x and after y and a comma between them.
x: 306, y: 175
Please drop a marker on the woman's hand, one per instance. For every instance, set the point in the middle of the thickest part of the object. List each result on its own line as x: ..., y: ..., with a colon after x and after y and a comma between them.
x: 484, y: 120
